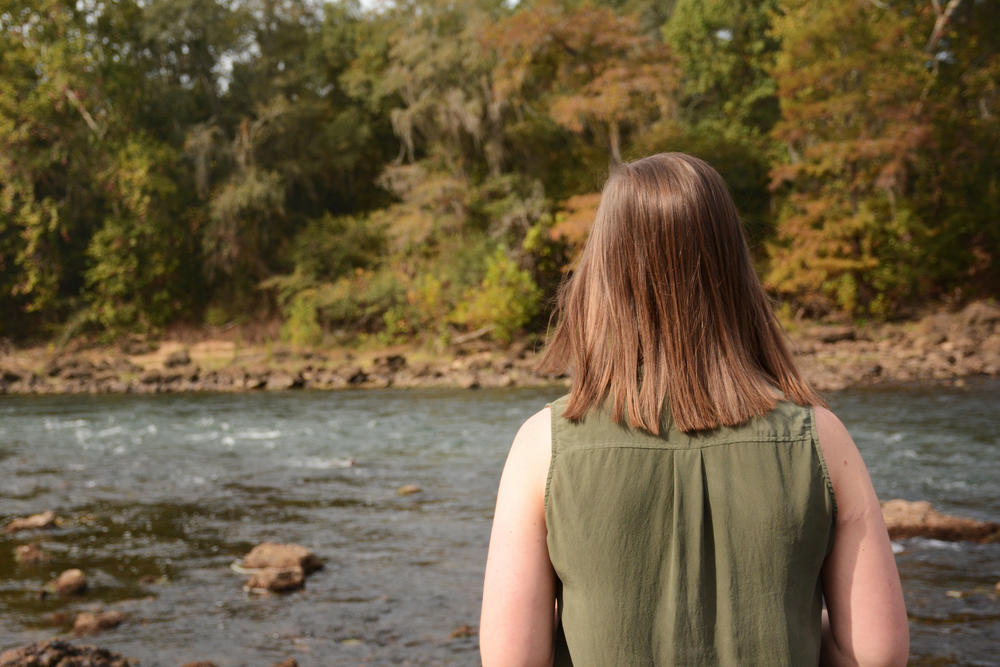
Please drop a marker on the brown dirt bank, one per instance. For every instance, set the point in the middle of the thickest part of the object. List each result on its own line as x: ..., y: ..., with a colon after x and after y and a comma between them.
x: 943, y: 347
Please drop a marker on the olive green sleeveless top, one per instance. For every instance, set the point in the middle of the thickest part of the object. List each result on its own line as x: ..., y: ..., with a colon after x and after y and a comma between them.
x: 688, y: 549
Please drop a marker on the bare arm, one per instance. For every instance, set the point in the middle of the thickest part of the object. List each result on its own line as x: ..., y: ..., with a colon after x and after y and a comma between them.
x: 866, y: 623
x: 517, y: 622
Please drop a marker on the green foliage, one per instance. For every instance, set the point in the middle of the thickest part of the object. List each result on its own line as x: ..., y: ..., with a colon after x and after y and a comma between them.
x: 724, y: 50
x: 53, y: 114
x: 362, y: 300
x: 505, y: 300
x: 330, y: 283
x: 431, y: 167
x: 301, y: 326
x: 134, y: 273
x: 956, y: 186
x: 332, y: 246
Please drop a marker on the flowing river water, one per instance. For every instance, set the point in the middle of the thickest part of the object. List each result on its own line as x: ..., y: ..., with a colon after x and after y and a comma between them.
x: 158, y: 496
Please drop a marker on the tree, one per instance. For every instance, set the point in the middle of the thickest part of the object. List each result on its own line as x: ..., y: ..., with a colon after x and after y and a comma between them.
x: 436, y: 77
x: 724, y: 50
x: 136, y: 274
x: 91, y: 199
x: 593, y: 72
x: 853, y: 126
x: 290, y: 145
x: 54, y: 116
x: 956, y: 186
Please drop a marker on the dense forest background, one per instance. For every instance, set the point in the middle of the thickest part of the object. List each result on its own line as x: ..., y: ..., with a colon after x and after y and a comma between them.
x: 429, y: 167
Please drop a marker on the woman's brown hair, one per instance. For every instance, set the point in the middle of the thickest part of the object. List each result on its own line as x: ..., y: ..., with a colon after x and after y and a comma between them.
x: 665, y: 304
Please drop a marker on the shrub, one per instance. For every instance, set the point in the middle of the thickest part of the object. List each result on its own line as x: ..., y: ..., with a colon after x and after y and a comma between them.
x: 506, y: 298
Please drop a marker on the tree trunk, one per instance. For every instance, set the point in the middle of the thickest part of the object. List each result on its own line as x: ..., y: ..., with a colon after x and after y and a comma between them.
x: 614, y: 139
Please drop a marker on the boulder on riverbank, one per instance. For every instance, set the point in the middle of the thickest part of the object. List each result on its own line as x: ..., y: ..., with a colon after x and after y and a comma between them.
x: 55, y: 653
x: 919, y: 519
x: 177, y: 358
x: 943, y: 346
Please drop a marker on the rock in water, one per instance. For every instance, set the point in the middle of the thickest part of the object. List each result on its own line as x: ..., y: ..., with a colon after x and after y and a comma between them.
x: 89, y: 622
x: 57, y: 653
x: 282, y: 556
x: 463, y: 631
x: 70, y: 582
x: 30, y: 554
x: 408, y: 490
x: 277, y: 580
x: 44, y: 520
x: 919, y: 519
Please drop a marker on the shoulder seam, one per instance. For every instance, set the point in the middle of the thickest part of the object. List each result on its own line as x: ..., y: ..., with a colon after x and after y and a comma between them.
x: 737, y: 441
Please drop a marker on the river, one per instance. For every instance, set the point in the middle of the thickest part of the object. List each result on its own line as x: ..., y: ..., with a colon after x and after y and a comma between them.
x: 160, y: 494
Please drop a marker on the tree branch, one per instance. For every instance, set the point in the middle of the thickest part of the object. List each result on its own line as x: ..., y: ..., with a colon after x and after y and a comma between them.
x: 941, y: 22
x: 87, y: 118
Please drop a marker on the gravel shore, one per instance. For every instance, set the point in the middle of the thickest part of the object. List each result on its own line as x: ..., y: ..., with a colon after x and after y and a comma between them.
x: 943, y: 347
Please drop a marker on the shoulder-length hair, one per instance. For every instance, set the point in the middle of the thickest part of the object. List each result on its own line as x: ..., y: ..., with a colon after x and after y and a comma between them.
x: 665, y: 308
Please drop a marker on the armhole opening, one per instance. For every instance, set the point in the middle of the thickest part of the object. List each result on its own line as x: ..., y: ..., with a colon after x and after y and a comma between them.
x: 552, y: 457
x: 814, y: 435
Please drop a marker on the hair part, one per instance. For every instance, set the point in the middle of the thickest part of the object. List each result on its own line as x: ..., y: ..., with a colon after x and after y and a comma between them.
x: 665, y: 307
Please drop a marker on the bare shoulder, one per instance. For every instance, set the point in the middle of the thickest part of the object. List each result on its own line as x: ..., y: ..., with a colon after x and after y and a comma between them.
x: 832, y: 433
x: 532, y: 446
x: 537, y: 429
x: 848, y: 473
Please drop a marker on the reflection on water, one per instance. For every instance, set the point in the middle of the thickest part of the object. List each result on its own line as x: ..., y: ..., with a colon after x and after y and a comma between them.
x: 161, y: 493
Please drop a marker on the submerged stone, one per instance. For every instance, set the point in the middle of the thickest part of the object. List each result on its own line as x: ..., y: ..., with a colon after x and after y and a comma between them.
x: 30, y: 554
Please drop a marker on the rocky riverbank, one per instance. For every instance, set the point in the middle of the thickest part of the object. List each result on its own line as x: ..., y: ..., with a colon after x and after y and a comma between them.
x: 943, y: 347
